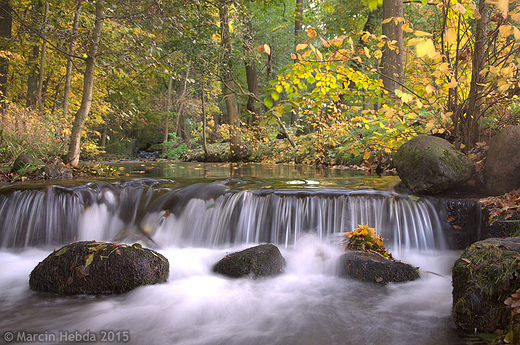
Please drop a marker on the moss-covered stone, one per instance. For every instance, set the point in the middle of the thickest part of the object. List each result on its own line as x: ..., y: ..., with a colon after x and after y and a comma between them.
x: 375, y: 268
x: 98, y: 267
x: 428, y: 164
x: 260, y: 261
x: 502, y: 172
x: 486, y: 274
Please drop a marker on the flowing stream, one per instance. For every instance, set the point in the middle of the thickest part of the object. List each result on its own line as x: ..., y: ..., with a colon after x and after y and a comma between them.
x: 194, y: 221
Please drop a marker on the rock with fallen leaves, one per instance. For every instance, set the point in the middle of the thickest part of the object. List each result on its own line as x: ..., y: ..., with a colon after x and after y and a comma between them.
x: 427, y: 164
x: 486, y: 279
x: 502, y: 172
x: 375, y: 268
x: 501, y: 215
x: 368, y: 260
x: 260, y: 261
x: 98, y: 268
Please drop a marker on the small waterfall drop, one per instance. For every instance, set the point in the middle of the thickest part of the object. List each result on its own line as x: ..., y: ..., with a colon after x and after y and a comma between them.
x: 209, y: 214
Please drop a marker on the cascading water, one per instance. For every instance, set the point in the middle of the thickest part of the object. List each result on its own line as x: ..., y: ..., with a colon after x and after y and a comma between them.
x: 194, y: 225
x: 192, y: 216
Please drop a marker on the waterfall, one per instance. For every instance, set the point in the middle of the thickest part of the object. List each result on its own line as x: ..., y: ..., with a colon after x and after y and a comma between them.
x: 209, y: 215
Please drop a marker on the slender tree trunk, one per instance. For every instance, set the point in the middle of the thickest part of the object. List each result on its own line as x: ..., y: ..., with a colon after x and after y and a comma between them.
x: 88, y: 85
x: 252, y: 78
x: 204, y: 122
x: 68, y: 77
x: 6, y: 24
x: 392, y: 60
x: 42, y: 59
x: 229, y: 85
x: 298, y: 21
x: 167, y: 113
x: 473, y: 113
x: 32, y: 62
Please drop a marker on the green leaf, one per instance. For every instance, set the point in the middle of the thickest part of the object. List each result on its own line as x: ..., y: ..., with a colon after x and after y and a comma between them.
x: 413, y: 197
x: 88, y: 261
x: 61, y: 251
x: 275, y: 96
x: 268, y: 102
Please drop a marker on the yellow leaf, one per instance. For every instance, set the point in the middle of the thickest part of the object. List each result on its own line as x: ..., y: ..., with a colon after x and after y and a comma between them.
x: 429, y: 126
x: 516, y: 17
x: 426, y: 48
x: 319, y: 56
x: 388, y: 20
x: 367, y: 52
x: 451, y: 35
x: 453, y: 83
x: 504, y: 30
x: 311, y: 32
x: 366, y: 154
x: 406, y: 27
x: 516, y: 32
x: 494, y: 69
x: 458, y: 7
x: 301, y: 46
x: 420, y: 33
x: 443, y: 67
x: 430, y: 89
x: 324, y: 42
x: 378, y: 54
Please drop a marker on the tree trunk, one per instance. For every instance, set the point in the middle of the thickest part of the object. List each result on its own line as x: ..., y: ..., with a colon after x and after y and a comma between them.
x: 6, y: 24
x: 68, y: 75
x: 298, y: 21
x: 392, y: 72
x: 473, y: 114
x: 167, y: 113
x: 88, y: 85
x: 252, y: 78
x: 229, y: 86
x: 32, y: 62
x: 42, y: 59
x: 204, y: 124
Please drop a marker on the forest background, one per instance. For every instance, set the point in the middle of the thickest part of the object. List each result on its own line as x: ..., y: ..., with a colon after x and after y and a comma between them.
x: 316, y: 82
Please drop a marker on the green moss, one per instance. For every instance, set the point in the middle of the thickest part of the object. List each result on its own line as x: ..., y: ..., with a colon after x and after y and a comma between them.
x: 483, y: 278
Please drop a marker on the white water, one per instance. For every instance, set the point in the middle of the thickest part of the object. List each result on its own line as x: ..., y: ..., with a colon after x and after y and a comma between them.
x: 307, y: 304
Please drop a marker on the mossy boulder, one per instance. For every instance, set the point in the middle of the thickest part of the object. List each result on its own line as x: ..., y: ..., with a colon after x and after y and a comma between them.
x: 428, y: 164
x: 374, y: 268
x: 260, y: 261
x: 98, y: 268
x: 484, y: 277
x: 502, y: 171
x: 23, y: 161
x: 56, y: 171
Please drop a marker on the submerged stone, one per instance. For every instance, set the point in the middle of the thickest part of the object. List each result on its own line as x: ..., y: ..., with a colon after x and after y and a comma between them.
x: 375, y: 268
x: 97, y: 268
x: 484, y: 277
x: 260, y: 261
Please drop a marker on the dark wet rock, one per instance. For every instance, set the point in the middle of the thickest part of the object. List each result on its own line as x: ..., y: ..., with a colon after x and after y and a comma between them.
x: 97, y: 268
x: 486, y: 274
x: 502, y: 171
x: 375, y: 268
x: 428, y: 164
x: 261, y: 261
x: 56, y: 171
x: 22, y: 161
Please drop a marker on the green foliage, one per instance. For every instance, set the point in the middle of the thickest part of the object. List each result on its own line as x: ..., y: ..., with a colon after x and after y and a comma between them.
x: 173, y: 148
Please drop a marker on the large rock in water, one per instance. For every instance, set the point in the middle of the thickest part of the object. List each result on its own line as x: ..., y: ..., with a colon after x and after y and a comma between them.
x: 98, y: 267
x: 374, y: 268
x: 260, y: 261
x: 428, y: 164
x: 484, y: 278
x: 502, y: 172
